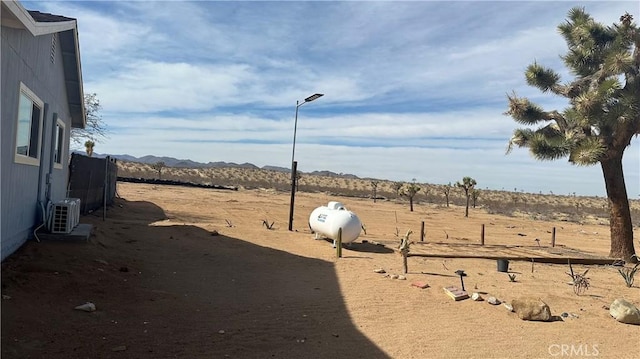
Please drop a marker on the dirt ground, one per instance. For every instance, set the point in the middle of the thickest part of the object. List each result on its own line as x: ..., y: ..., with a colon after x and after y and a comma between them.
x: 180, y: 272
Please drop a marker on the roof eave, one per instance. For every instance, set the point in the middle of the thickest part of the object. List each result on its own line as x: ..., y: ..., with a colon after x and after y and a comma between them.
x: 34, y: 27
x: 73, y: 79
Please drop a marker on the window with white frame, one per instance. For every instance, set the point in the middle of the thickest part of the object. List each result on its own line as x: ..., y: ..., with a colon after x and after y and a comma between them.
x: 59, y: 145
x: 30, y: 112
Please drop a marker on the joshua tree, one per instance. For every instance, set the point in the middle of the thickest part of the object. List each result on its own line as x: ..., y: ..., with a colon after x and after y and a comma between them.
x: 158, y: 166
x: 397, y: 186
x: 374, y: 185
x: 410, y: 192
x: 475, y: 194
x: 446, y: 190
x: 603, y: 113
x: 467, y: 185
x: 426, y: 191
x: 298, y: 176
x: 88, y: 145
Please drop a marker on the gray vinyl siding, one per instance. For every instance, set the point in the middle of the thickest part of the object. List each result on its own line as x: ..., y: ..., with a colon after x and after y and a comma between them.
x: 27, y: 59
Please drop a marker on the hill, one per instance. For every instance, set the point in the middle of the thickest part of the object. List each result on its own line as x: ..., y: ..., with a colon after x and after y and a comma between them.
x: 187, y: 163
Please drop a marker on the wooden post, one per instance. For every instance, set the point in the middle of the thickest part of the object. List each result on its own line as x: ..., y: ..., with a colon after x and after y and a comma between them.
x: 482, y: 236
x: 339, y: 244
x: 422, y: 232
x: 553, y: 237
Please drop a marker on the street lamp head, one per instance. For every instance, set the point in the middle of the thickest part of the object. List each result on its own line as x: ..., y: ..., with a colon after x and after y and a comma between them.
x: 313, y: 97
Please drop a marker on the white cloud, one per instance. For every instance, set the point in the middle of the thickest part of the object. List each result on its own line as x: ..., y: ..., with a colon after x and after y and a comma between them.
x: 145, y: 86
x: 412, y: 89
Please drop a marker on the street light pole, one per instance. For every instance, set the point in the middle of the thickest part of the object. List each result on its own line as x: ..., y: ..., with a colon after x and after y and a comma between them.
x: 294, y: 164
x: 295, y: 129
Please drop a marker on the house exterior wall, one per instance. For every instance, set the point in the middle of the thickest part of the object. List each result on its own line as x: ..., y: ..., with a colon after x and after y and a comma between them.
x: 27, y: 59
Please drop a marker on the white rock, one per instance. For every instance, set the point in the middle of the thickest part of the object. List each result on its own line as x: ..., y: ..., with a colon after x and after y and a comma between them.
x: 477, y: 297
x: 508, y: 306
x: 624, y: 312
x: 379, y: 270
x: 401, y: 277
x: 493, y: 300
x: 87, y: 307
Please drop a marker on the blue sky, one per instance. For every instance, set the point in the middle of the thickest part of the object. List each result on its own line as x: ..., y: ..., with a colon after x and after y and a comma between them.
x: 412, y: 89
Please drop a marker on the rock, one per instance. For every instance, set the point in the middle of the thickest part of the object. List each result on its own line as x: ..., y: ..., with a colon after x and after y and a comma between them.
x: 6, y: 297
x: 394, y: 276
x: 567, y: 315
x: 120, y: 348
x: 476, y: 297
x: 87, y: 307
x: 624, y: 312
x: 493, y: 300
x: 401, y: 277
x: 531, y: 309
x: 379, y: 270
x: 508, y: 306
x: 420, y: 284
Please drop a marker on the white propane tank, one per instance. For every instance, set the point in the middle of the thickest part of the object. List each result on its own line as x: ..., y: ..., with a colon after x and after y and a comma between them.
x: 327, y: 220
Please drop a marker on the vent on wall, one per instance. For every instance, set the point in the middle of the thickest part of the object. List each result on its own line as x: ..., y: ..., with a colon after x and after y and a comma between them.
x: 64, y: 215
x: 53, y: 48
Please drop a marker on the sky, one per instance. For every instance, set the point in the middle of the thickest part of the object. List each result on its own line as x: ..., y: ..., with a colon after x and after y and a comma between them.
x: 412, y: 90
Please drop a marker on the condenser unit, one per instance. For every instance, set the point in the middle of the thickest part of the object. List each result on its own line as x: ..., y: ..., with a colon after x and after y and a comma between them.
x: 64, y: 215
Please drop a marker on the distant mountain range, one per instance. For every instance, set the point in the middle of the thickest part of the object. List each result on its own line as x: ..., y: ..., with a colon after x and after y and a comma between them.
x: 181, y: 163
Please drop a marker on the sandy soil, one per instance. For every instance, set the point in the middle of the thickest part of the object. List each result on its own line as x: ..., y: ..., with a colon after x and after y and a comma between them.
x: 193, y: 273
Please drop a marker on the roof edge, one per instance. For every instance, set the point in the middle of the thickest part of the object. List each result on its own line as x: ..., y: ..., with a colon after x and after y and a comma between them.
x: 34, y: 27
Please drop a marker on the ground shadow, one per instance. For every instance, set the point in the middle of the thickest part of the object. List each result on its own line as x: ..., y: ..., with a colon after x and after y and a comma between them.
x: 364, y: 246
x: 368, y: 247
x: 172, y: 291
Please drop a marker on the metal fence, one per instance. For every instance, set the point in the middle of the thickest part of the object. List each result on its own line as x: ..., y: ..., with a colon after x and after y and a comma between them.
x: 93, y: 180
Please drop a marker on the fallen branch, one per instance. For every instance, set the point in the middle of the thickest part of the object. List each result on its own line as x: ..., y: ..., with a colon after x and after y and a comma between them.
x: 266, y: 224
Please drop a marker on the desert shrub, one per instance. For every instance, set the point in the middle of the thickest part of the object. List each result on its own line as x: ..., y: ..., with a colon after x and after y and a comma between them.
x: 628, y: 273
x: 535, y: 206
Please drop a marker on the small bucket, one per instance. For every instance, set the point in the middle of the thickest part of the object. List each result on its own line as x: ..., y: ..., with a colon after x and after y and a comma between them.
x: 503, y: 265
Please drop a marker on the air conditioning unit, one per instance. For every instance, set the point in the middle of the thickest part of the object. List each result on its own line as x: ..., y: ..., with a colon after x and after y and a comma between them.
x: 64, y: 215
